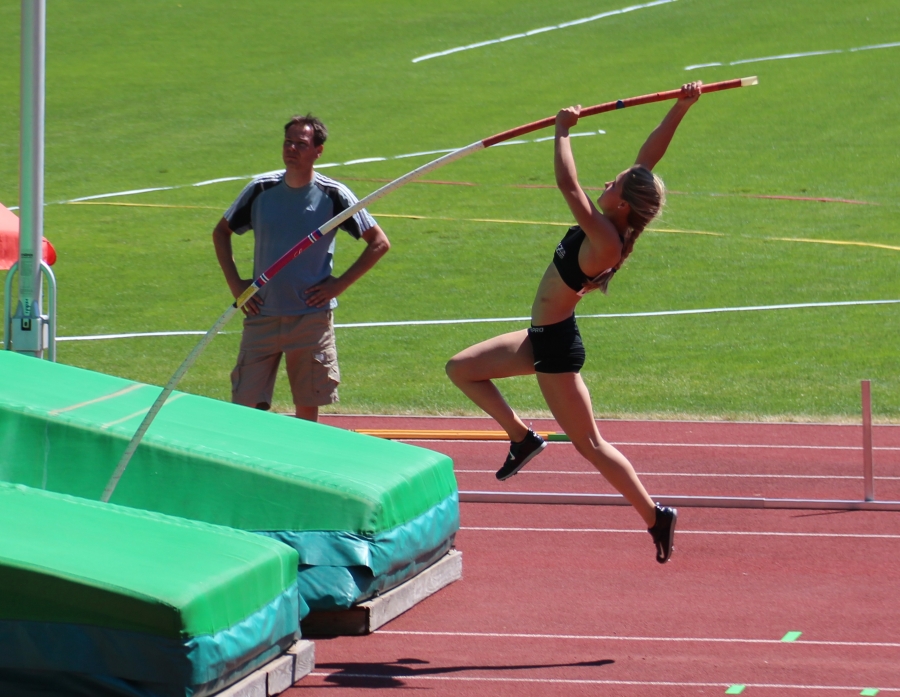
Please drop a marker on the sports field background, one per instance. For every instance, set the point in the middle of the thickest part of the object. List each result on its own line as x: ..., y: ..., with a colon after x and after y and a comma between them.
x: 167, y: 94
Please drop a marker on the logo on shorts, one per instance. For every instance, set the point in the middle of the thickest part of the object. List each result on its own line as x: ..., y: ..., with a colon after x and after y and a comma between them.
x: 561, y: 251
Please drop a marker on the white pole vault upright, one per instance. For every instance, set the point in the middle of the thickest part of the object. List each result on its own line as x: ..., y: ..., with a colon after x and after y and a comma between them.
x: 316, y: 235
x: 28, y: 326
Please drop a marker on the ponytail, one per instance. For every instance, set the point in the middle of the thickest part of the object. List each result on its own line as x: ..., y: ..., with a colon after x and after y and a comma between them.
x: 645, y: 194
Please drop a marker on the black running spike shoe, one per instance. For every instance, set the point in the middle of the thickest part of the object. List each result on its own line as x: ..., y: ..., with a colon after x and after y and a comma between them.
x: 520, y: 454
x: 663, y: 532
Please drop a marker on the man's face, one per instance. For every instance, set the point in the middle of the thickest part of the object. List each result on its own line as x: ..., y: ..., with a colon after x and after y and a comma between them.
x: 299, y: 150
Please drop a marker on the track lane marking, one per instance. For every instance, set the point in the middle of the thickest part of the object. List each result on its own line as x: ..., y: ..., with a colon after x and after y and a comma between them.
x: 696, y: 445
x: 569, y: 681
x: 699, y: 475
x: 838, y: 535
x: 609, y: 637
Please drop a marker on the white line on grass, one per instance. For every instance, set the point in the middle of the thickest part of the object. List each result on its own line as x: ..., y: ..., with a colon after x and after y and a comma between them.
x: 324, y: 165
x: 608, y: 637
x: 607, y: 531
x: 344, y: 675
x: 416, y: 323
x: 662, y: 313
x: 786, y: 56
x: 542, y: 30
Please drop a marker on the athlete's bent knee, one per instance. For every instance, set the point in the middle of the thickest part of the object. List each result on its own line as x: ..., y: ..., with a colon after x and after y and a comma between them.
x: 454, y: 370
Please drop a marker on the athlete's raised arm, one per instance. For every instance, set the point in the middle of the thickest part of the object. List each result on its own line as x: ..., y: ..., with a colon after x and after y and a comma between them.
x: 658, y: 141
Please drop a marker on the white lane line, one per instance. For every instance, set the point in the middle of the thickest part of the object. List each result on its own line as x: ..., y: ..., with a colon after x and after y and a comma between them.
x: 661, y: 313
x: 787, y: 56
x: 784, y: 57
x: 608, y: 637
x: 623, y: 315
x: 322, y: 165
x: 363, y: 160
x: 615, y: 531
x: 747, y: 446
x: 129, y: 335
x: 541, y: 30
x: 130, y: 388
x: 337, y: 676
x: 696, y: 474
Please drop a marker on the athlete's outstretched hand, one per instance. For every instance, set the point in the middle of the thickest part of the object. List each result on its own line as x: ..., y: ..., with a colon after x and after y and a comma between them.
x: 690, y: 93
x: 568, y: 117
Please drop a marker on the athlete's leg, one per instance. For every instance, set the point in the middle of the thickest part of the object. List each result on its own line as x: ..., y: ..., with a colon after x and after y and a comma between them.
x: 569, y: 401
x: 503, y: 356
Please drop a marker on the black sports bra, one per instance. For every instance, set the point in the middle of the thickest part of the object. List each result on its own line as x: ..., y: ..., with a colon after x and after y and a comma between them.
x: 565, y: 259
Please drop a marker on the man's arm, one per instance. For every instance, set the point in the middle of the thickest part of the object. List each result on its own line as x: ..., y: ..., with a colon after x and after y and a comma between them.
x: 377, y: 245
x: 222, y: 242
x: 658, y: 141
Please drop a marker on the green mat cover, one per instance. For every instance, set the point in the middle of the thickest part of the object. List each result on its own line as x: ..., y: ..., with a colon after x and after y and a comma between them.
x: 64, y: 429
x: 123, y: 594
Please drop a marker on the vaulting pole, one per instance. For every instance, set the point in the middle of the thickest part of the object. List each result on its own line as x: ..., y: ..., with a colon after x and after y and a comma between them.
x: 316, y: 235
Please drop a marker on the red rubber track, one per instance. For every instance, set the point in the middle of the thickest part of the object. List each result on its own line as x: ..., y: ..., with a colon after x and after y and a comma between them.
x: 568, y: 600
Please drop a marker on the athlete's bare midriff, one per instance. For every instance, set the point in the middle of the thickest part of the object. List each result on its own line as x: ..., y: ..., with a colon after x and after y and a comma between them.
x: 554, y: 300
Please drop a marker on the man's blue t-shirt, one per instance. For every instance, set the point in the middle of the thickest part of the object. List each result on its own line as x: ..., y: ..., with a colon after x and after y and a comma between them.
x: 280, y: 217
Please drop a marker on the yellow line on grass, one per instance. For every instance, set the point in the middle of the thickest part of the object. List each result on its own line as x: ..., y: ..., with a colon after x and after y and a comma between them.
x: 855, y: 244
x: 511, y: 222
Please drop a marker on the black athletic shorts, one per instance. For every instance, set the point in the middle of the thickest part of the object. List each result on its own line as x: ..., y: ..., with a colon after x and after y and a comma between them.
x: 557, y: 347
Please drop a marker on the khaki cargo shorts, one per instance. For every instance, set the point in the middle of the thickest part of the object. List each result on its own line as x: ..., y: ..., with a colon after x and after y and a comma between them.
x: 307, y: 342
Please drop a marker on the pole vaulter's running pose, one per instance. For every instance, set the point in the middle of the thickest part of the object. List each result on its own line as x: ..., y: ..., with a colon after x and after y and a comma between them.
x: 586, y: 259
x: 316, y: 235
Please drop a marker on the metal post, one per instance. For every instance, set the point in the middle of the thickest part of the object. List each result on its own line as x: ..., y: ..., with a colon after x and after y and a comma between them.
x: 28, y: 331
x: 868, y: 477
x: 49, y: 320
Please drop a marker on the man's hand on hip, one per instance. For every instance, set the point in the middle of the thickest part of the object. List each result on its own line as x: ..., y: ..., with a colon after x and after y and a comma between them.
x: 320, y: 295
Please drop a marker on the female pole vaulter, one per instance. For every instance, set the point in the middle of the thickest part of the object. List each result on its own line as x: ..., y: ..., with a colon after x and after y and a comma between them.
x: 586, y: 259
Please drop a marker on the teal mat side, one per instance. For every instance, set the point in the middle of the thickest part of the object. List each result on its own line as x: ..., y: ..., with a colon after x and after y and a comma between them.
x: 338, y: 570
x: 340, y: 587
x: 381, y: 553
x: 200, y: 665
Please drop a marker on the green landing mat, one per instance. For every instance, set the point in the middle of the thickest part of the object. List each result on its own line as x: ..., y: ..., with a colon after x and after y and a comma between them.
x: 135, y: 602
x: 64, y: 429
x: 64, y: 559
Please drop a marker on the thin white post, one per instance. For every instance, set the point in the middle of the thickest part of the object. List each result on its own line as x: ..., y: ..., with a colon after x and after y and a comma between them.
x: 867, y: 440
x: 28, y: 326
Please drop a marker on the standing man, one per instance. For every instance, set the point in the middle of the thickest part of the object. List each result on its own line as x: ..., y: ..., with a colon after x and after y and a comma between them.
x: 292, y: 313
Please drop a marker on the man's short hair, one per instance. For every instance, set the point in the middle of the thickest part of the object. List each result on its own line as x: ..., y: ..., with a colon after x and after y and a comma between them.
x: 320, y: 133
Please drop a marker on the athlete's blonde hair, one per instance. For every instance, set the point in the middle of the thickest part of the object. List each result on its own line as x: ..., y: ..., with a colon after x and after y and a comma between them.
x: 645, y: 194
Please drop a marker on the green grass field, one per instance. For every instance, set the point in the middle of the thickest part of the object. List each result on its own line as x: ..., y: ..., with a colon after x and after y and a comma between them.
x: 167, y: 94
